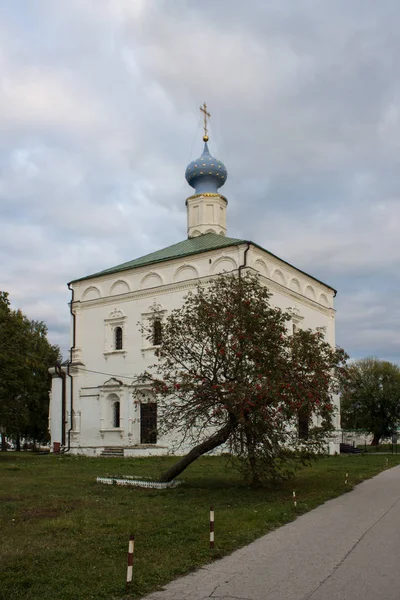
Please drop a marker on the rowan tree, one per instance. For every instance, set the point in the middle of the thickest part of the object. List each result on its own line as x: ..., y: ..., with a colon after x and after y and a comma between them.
x: 228, y: 372
x: 371, y: 398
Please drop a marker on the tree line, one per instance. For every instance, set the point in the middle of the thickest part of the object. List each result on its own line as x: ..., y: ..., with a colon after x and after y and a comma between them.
x: 25, y: 357
x: 370, y: 400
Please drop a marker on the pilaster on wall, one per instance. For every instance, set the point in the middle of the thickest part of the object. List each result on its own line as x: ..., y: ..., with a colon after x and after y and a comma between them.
x: 206, y: 213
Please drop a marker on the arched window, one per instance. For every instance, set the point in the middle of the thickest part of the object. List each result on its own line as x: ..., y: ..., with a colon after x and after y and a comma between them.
x: 116, y: 414
x: 118, y: 338
x: 157, y: 332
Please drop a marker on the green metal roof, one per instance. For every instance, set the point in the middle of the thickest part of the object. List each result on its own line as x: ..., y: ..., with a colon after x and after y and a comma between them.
x: 196, y: 245
x: 202, y: 243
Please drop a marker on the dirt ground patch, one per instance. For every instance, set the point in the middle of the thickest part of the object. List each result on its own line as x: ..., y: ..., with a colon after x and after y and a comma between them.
x: 39, y: 512
x: 48, y: 512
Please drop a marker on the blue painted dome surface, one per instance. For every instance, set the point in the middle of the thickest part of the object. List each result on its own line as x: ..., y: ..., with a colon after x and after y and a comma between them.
x: 206, y: 174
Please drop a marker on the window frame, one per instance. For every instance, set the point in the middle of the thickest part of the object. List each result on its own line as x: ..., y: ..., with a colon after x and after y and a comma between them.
x: 155, y: 312
x: 148, y: 429
x: 115, y: 320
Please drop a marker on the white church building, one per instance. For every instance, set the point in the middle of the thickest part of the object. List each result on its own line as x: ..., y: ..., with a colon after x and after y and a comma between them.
x: 92, y: 408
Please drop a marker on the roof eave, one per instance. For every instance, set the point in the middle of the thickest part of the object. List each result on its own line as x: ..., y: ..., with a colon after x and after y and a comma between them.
x: 293, y: 267
x: 159, y: 260
x: 200, y: 251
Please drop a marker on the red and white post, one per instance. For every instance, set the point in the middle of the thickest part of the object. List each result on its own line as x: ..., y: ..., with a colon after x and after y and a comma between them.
x: 294, y: 499
x: 211, y: 527
x: 347, y: 479
x: 131, y: 548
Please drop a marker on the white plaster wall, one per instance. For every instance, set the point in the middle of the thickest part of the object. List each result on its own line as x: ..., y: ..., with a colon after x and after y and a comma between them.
x: 206, y: 213
x: 96, y: 302
x: 55, y: 411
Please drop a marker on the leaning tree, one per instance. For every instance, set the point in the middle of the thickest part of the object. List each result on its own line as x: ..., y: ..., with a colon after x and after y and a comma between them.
x: 228, y: 371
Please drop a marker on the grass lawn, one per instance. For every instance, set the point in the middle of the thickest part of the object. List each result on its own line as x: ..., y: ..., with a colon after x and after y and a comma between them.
x: 385, y: 448
x: 65, y: 537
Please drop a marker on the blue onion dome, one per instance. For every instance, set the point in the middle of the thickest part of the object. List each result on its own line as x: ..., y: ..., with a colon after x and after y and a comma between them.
x: 206, y: 174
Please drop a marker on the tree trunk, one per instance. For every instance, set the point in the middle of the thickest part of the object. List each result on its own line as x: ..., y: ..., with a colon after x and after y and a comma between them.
x: 18, y: 443
x: 214, y: 441
x: 251, y: 452
x: 376, y: 439
x: 3, y: 441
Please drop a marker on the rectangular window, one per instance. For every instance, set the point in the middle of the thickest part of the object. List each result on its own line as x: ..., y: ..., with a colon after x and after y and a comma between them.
x: 116, y: 414
x: 303, y: 425
x: 157, y: 332
x: 148, y: 423
x: 118, y: 338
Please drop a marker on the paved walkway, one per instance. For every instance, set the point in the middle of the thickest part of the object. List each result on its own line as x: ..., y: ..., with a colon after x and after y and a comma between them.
x: 346, y: 549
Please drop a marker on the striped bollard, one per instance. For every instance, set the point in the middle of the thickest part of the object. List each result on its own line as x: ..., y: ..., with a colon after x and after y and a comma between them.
x: 347, y: 478
x: 130, y: 560
x: 294, y: 499
x: 211, y: 527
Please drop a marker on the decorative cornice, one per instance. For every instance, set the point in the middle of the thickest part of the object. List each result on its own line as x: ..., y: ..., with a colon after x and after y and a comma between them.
x: 138, y: 294
x: 270, y: 258
x: 296, y: 296
x: 207, y: 195
x: 192, y: 283
x: 116, y: 314
x: 115, y: 320
x: 111, y: 383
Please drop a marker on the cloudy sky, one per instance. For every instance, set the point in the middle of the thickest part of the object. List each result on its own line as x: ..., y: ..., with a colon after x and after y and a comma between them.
x: 99, y: 118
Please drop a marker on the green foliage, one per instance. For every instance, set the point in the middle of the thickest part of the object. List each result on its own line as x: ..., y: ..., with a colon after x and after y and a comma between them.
x: 371, y: 398
x: 227, y: 365
x: 25, y: 357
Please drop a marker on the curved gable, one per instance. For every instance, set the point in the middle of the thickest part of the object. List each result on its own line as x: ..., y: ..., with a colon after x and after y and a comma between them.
x: 151, y: 280
x: 278, y: 276
x: 261, y: 267
x: 91, y: 293
x: 310, y: 292
x: 224, y: 264
x: 295, y: 285
x: 119, y: 287
x: 185, y: 272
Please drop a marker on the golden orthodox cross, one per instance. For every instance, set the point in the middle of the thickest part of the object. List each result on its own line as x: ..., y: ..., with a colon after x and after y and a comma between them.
x: 206, y: 114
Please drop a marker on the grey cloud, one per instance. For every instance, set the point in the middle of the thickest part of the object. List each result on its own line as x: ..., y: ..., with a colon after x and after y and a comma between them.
x: 99, y: 109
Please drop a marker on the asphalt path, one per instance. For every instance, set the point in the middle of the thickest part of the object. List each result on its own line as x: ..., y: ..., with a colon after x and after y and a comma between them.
x: 346, y: 549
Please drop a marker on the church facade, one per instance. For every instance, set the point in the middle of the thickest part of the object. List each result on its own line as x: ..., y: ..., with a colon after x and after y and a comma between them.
x: 92, y: 409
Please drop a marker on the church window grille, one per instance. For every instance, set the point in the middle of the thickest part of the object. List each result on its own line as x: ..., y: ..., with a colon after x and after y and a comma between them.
x: 116, y: 414
x: 148, y: 423
x: 118, y: 338
x: 157, y: 332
